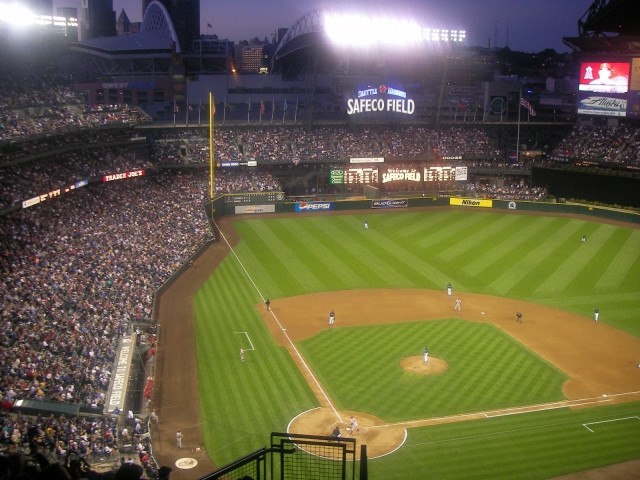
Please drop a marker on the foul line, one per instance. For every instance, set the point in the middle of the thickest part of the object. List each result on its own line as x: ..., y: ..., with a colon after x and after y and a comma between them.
x: 607, y: 421
x: 248, y: 339
x: 505, y: 412
x: 282, y: 329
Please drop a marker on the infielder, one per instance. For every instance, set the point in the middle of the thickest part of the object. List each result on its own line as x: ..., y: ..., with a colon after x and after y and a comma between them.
x: 332, y: 317
x: 458, y: 305
x: 449, y: 289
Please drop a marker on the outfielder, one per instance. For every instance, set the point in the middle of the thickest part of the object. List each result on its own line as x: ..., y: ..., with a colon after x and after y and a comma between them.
x: 596, y: 314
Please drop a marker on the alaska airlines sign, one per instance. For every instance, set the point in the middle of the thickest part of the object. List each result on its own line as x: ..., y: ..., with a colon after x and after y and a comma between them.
x: 381, y: 99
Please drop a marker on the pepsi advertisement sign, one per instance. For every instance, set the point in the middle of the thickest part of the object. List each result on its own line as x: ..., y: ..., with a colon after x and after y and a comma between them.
x: 314, y: 206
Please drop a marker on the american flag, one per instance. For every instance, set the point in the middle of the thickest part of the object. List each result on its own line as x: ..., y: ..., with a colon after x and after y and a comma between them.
x: 528, y: 106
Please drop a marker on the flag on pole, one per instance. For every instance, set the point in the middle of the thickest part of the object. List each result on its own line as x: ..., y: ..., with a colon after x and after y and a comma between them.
x: 528, y: 106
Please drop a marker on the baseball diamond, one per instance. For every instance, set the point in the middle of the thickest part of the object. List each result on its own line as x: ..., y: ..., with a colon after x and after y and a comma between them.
x: 576, y: 364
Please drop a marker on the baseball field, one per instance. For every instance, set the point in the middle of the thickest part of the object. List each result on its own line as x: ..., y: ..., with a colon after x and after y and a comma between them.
x: 551, y: 395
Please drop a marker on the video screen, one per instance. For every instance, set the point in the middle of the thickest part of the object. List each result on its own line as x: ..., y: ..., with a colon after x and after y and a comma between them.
x: 604, y: 77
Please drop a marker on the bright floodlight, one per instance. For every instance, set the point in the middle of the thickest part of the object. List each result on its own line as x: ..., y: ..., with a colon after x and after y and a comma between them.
x: 15, y: 14
x: 363, y: 31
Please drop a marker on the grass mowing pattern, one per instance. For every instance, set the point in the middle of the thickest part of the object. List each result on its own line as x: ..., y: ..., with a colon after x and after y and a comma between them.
x: 533, y: 446
x: 487, y: 370
x: 539, y: 259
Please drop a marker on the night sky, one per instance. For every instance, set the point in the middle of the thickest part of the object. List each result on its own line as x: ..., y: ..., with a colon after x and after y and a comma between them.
x: 522, y: 25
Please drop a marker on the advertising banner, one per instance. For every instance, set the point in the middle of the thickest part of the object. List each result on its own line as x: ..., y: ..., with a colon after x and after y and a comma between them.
x: 395, y: 203
x: 242, y: 209
x: 606, y: 105
x: 471, y: 202
x: 314, y: 206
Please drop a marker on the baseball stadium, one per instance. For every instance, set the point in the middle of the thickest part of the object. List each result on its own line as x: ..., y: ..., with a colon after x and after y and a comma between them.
x: 357, y: 270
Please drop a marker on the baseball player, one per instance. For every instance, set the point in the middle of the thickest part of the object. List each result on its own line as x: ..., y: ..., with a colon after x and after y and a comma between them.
x: 426, y: 354
x: 241, y: 355
x: 449, y: 289
x: 519, y: 317
x: 596, y: 314
x: 366, y: 224
x: 332, y: 317
x: 179, y: 439
x: 458, y: 305
x: 267, y: 302
x: 354, y: 425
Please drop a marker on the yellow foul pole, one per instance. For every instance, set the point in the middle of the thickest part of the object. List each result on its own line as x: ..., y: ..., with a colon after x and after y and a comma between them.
x: 212, y: 112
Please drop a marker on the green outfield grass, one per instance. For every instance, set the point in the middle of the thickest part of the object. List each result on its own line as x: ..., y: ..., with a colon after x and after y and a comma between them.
x: 487, y: 370
x: 537, y: 259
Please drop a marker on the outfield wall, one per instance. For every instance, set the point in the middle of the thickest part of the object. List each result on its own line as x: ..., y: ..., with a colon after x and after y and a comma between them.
x: 602, y: 213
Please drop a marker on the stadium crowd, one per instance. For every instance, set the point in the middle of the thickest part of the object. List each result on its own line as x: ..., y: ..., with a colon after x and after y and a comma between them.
x: 616, y: 145
x: 30, y: 107
x: 296, y: 144
x: 76, y: 272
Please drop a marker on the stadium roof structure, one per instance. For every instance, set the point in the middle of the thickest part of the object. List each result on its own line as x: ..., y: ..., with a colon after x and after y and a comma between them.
x: 157, y: 34
x: 608, y: 26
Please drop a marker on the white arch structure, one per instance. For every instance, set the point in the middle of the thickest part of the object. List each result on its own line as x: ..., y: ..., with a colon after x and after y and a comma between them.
x: 157, y: 20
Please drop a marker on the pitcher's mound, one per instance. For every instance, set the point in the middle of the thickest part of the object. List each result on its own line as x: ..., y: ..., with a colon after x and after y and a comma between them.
x: 416, y: 364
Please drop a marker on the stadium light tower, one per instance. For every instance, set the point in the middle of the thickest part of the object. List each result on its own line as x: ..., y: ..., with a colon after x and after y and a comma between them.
x: 363, y: 31
x: 19, y: 16
x: 16, y: 15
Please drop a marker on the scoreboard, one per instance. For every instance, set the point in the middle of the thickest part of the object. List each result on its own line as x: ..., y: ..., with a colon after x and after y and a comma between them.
x: 253, y: 198
x: 366, y: 175
x: 439, y: 174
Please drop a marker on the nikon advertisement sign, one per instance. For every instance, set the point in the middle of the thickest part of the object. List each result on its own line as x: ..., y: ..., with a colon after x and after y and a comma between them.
x: 471, y: 202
